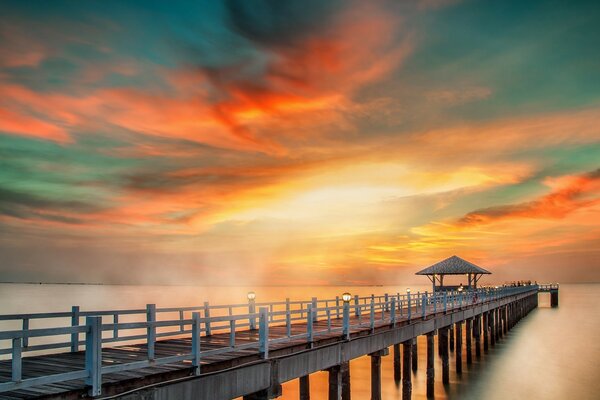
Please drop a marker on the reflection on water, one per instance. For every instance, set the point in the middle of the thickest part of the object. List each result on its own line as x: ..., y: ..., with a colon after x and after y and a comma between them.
x: 550, y: 354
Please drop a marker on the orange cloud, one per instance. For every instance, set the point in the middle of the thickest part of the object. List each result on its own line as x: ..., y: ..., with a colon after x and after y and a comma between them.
x: 20, y: 124
x: 573, y: 193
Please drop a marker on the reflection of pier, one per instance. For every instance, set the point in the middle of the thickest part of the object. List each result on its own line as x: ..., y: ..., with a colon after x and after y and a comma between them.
x: 210, y: 352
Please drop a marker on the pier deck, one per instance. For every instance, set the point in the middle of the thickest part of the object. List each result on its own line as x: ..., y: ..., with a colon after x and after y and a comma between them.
x: 244, y: 354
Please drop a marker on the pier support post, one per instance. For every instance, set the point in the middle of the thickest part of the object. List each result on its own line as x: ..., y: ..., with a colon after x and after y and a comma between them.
x: 443, y: 338
x: 397, y: 368
x: 468, y: 333
x: 335, y: 383
x: 345, y: 371
x: 406, y: 374
x: 376, y: 373
x: 498, y: 323
x: 415, y: 356
x: 485, y: 327
x: 477, y: 335
x: 430, y: 368
x: 458, y: 347
x: 451, y: 337
x: 491, y: 319
x: 554, y: 298
x: 305, y: 387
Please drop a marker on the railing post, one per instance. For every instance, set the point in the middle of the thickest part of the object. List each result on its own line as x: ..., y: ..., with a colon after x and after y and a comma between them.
x: 387, y: 298
x: 26, y: 328
x: 252, y: 310
x: 309, y: 323
x: 288, y: 318
x: 263, y: 332
x: 207, y: 318
x: 409, y: 305
x: 356, y: 308
x: 393, y: 311
x: 434, y: 296
x: 196, y: 342
x: 337, y: 306
x: 445, y: 302
x: 328, y: 311
x: 151, y: 329
x: 423, y: 305
x: 16, y: 362
x: 346, y: 321
x: 181, y: 325
x: 315, y: 312
x: 74, y: 322
x: 93, y: 354
x: 115, y: 325
x: 232, y: 332
x: 372, y: 313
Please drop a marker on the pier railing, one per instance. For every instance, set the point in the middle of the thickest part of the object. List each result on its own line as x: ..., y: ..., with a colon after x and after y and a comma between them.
x: 301, y: 319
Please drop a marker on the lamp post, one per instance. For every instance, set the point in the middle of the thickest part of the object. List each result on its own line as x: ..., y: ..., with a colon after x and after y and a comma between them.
x: 346, y: 315
x: 252, y: 309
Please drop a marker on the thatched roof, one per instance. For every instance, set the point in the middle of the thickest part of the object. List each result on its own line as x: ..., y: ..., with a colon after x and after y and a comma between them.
x: 453, y: 266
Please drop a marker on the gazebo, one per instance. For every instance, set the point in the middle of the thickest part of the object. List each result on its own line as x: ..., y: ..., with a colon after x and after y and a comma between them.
x: 453, y: 266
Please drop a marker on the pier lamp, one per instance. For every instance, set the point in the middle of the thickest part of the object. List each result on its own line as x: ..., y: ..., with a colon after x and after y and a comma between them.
x: 252, y: 309
x: 346, y: 316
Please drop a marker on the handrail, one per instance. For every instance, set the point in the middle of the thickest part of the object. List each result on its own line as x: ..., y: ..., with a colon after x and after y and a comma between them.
x: 369, y: 310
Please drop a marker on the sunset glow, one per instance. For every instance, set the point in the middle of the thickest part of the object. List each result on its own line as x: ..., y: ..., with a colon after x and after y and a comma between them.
x: 245, y: 142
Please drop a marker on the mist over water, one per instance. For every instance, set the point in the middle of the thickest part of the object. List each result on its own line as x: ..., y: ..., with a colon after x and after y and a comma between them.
x: 550, y: 354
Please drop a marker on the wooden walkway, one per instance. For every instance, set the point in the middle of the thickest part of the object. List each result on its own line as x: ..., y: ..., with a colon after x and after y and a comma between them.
x: 65, y: 362
x: 279, y: 335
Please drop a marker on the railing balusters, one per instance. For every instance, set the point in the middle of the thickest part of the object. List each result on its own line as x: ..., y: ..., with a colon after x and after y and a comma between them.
x: 309, y: 323
x: 409, y: 306
x: 196, y: 342
x: 315, y: 310
x: 372, y: 313
x: 115, y: 327
x: 207, y: 318
x: 337, y: 306
x: 232, y: 333
x: 263, y: 332
x: 423, y: 305
x: 25, y: 328
x: 181, y: 325
x: 356, y: 308
x: 288, y: 318
x: 93, y: 354
x: 393, y: 312
x: 16, y: 362
x: 74, y: 322
x: 328, y: 311
x: 151, y: 330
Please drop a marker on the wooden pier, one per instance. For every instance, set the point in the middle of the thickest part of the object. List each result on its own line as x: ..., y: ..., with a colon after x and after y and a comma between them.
x: 218, y: 352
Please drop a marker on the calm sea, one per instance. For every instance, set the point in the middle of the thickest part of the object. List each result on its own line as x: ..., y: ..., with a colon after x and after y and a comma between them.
x: 550, y: 354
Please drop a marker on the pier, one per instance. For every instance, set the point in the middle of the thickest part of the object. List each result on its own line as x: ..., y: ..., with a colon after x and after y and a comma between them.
x: 249, y: 349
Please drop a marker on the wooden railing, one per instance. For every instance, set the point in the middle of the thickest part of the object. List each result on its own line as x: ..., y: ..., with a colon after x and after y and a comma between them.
x: 545, y: 287
x: 206, y: 320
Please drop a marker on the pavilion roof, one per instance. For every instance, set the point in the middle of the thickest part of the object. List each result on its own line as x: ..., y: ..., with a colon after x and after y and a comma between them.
x: 453, y: 266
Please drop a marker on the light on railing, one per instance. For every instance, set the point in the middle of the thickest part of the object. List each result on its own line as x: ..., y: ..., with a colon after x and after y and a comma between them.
x: 251, y: 295
x: 346, y: 297
x: 460, y: 288
x: 407, y: 290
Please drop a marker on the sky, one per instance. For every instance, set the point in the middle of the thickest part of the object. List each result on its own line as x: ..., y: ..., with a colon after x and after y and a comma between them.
x: 298, y: 142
